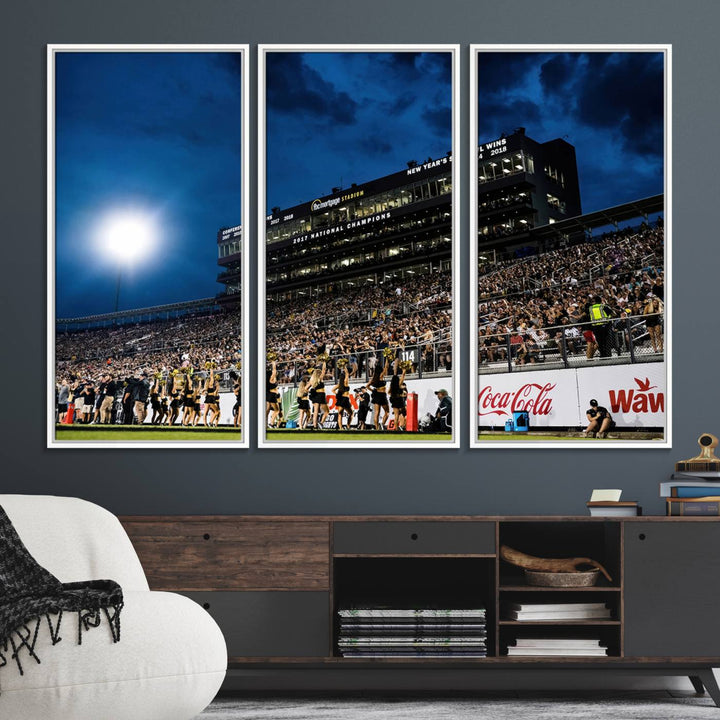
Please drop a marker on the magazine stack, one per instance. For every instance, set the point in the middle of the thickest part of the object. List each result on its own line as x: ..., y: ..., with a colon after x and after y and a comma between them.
x: 425, y: 632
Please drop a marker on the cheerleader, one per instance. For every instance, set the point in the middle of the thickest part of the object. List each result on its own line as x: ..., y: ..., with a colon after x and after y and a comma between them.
x: 272, y: 395
x: 212, y: 400
x: 303, y: 402
x: 158, y: 409
x: 237, y: 392
x: 379, y: 396
x: 197, y: 390
x: 188, y: 402
x: 363, y: 399
x: 176, y: 384
x: 317, y: 397
x: 342, y: 398
x: 397, y: 401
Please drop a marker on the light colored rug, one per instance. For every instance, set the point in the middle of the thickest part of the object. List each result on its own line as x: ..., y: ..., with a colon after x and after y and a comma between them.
x: 588, y: 706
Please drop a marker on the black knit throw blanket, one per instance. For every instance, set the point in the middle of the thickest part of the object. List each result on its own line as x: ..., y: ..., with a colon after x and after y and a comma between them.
x: 30, y: 596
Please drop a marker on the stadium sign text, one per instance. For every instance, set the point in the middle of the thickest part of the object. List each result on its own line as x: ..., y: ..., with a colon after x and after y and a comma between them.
x: 351, y: 225
x: 531, y: 397
x: 495, y: 147
x: 237, y: 230
x: 318, y: 204
x: 429, y: 165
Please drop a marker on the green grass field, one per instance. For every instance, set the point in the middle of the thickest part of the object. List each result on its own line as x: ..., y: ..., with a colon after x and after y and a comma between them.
x: 542, y: 437
x: 123, y: 433
x: 353, y: 436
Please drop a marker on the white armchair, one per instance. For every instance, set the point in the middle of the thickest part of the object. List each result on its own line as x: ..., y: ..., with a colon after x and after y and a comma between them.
x: 170, y: 661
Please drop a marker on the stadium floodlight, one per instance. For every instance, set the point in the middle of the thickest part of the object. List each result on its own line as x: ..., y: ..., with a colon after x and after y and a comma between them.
x: 126, y: 237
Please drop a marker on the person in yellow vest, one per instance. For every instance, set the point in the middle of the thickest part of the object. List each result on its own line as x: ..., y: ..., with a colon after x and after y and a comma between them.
x: 600, y: 316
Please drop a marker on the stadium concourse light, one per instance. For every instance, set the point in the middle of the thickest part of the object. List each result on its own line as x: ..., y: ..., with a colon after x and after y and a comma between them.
x: 127, y: 237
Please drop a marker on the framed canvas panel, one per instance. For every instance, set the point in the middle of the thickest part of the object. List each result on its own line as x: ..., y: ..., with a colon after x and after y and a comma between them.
x: 147, y: 269
x: 357, y: 246
x: 570, y: 205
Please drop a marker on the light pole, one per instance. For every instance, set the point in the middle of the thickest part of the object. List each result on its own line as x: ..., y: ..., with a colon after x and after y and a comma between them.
x: 127, y: 237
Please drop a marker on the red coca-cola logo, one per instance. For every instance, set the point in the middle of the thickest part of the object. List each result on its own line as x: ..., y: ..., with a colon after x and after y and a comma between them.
x: 531, y: 397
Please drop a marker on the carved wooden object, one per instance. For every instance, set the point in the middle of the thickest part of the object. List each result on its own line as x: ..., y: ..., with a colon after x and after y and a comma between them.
x: 529, y: 562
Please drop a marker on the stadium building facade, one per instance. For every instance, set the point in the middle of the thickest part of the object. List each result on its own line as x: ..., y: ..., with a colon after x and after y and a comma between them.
x: 379, y: 231
x: 229, y: 242
x: 523, y: 184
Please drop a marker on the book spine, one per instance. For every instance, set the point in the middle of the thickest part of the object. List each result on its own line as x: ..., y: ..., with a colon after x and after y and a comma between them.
x: 699, y: 508
x: 693, y: 492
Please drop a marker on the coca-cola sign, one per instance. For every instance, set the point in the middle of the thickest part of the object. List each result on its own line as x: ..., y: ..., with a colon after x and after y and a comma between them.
x: 534, y: 398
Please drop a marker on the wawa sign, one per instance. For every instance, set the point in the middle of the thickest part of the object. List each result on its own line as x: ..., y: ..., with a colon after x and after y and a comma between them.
x: 634, y: 395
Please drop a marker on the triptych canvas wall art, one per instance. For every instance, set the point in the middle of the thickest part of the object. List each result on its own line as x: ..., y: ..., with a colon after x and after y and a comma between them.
x: 360, y: 175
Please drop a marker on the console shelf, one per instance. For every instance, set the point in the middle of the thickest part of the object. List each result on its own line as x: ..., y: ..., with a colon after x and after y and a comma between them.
x: 275, y: 584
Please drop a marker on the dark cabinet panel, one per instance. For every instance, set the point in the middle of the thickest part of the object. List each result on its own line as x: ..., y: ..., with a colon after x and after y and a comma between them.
x: 414, y: 538
x: 672, y: 580
x: 270, y: 624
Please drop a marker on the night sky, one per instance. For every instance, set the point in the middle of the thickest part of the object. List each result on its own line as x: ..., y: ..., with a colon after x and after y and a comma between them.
x: 338, y: 118
x: 608, y: 105
x: 151, y: 133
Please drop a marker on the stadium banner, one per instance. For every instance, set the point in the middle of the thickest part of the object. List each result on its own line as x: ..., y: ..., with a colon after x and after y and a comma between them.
x: 357, y: 241
x: 570, y: 219
x: 634, y: 395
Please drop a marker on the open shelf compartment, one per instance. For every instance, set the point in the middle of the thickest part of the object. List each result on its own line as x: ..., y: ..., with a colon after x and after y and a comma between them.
x: 412, y: 582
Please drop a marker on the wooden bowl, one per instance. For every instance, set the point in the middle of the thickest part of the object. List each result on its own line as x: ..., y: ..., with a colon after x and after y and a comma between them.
x: 585, y: 578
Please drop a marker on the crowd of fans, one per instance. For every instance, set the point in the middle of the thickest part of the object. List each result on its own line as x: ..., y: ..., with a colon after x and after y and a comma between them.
x: 359, y: 324
x: 539, y: 301
x: 152, y: 353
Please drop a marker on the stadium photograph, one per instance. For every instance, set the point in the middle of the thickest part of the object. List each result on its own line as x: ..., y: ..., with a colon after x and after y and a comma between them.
x: 357, y: 290
x: 146, y: 262
x: 571, y: 226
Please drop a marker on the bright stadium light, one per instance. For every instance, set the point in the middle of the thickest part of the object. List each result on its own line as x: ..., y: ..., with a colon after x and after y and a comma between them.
x: 127, y: 237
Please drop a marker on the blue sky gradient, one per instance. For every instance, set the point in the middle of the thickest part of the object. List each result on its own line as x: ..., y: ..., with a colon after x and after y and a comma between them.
x: 153, y: 133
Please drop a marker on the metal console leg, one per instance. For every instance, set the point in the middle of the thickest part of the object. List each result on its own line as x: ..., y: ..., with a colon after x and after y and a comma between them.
x: 697, y: 684
x: 708, y: 680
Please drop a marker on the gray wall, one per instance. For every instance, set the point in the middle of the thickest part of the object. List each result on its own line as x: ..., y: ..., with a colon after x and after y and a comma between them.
x: 502, y: 481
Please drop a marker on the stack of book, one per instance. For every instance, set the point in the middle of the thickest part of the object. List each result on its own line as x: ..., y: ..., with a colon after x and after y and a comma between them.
x: 609, y: 508
x: 425, y: 632
x: 692, y: 493
x: 564, y: 647
x: 534, y: 612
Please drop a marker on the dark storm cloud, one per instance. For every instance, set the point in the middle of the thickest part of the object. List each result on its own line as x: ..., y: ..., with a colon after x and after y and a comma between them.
x: 610, y: 106
x: 375, y: 146
x: 624, y: 90
x: 498, y: 117
x: 293, y: 88
x: 399, y: 105
x: 438, y: 120
x: 400, y: 112
x: 556, y: 73
x: 501, y: 70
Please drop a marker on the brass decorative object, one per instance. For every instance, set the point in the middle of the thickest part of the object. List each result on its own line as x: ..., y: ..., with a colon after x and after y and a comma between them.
x: 706, y: 461
x: 551, y: 565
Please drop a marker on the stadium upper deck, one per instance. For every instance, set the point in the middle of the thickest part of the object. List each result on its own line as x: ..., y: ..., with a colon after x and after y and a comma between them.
x: 388, y: 228
x: 523, y: 184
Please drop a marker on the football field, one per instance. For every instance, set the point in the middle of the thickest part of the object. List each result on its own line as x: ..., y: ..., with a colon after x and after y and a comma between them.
x: 292, y: 435
x: 134, y: 433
